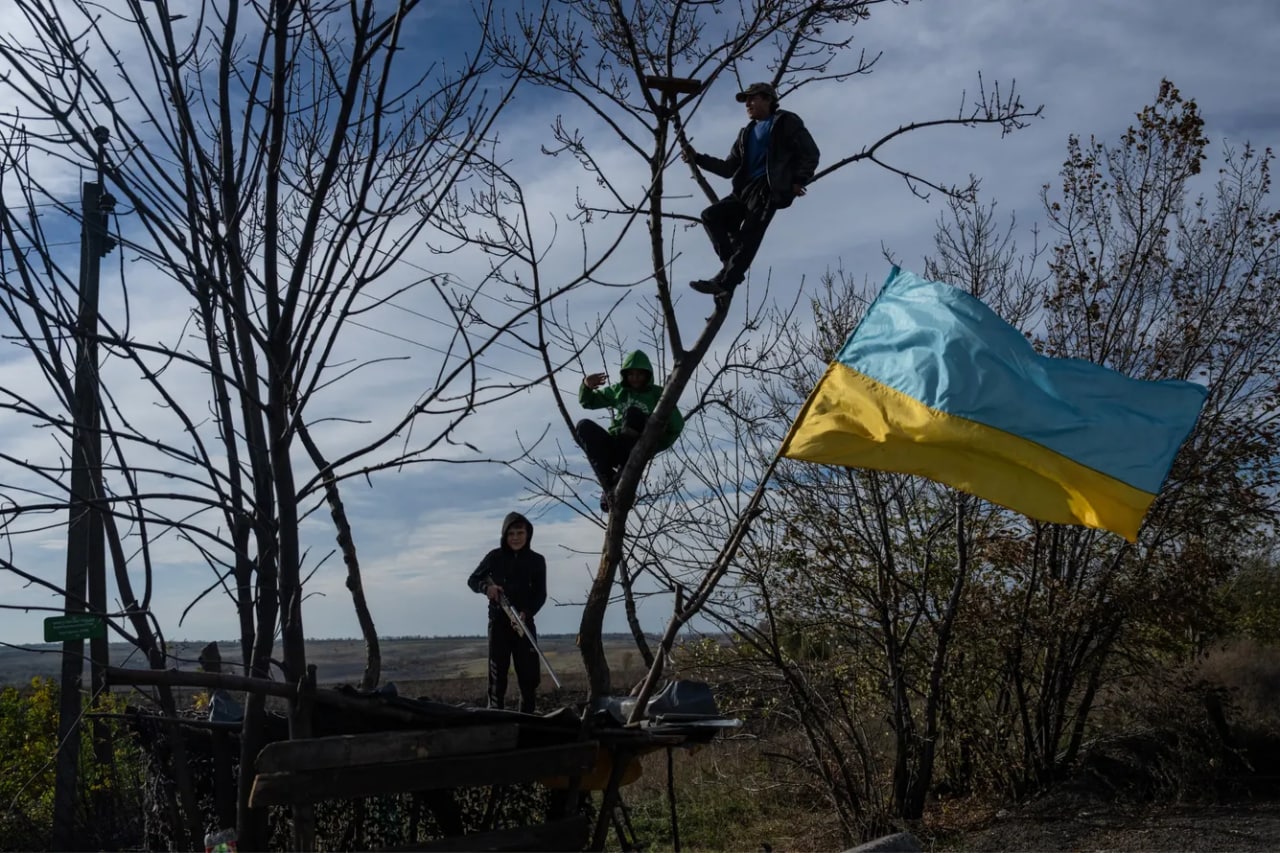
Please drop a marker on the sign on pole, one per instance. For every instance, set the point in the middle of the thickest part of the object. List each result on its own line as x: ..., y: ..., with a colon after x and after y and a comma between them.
x: 83, y: 626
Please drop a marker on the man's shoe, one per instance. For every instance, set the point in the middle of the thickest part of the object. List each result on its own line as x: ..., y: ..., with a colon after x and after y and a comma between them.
x: 711, y: 287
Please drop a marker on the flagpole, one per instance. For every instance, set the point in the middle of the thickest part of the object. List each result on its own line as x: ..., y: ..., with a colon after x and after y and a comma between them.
x: 681, y: 615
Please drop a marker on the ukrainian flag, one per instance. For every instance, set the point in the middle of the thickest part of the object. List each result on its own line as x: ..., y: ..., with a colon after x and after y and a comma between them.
x: 932, y: 382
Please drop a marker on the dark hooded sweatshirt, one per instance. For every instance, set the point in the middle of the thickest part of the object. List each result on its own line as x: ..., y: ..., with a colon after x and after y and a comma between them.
x: 521, y: 574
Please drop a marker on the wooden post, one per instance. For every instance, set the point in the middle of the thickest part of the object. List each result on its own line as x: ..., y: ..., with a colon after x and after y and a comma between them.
x: 671, y: 800
x: 300, y: 727
x: 609, y: 796
x: 224, y: 786
x: 83, y: 525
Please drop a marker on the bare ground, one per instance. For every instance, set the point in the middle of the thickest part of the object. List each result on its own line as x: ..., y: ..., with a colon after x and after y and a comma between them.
x: 1061, y: 824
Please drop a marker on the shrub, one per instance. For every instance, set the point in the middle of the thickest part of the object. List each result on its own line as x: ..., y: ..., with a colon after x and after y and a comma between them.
x: 109, y: 810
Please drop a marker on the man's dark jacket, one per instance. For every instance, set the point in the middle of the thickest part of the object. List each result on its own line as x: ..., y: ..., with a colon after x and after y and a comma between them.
x: 792, y: 158
x: 521, y: 574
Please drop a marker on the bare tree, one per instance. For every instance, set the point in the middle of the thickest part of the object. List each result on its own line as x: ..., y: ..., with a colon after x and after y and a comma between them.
x: 870, y: 569
x: 984, y: 639
x: 1158, y: 284
x: 609, y: 57
x: 273, y: 167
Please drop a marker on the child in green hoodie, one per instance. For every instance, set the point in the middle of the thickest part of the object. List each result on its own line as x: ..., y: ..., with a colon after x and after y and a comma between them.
x: 632, y: 400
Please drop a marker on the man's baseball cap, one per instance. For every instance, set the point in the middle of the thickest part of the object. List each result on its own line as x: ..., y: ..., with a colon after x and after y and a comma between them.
x: 758, y: 89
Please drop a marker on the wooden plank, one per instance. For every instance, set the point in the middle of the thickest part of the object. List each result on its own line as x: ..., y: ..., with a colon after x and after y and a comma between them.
x: 455, y: 771
x: 182, y: 678
x: 383, y: 747
x: 673, y: 85
x: 567, y: 834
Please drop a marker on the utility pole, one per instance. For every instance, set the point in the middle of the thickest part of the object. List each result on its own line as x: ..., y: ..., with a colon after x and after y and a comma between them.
x: 99, y: 654
x: 86, y: 568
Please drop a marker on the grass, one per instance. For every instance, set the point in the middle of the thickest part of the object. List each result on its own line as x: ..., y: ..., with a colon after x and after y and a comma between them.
x: 728, y: 797
x: 733, y: 796
x: 1251, y: 671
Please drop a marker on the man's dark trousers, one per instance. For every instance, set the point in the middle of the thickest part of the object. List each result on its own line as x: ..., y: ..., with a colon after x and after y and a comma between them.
x: 506, y: 647
x: 608, y: 452
x: 736, y: 226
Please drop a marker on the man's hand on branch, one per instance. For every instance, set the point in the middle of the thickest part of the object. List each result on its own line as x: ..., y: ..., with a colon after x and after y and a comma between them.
x: 595, y: 380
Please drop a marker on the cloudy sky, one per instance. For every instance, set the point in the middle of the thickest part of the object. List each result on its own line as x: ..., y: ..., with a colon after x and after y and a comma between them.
x: 1092, y: 64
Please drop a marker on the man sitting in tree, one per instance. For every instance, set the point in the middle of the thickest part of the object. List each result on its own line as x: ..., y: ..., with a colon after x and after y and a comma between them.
x: 632, y: 400
x: 771, y: 160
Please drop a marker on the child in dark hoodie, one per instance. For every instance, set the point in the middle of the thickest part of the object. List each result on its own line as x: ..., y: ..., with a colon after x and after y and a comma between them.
x: 517, y: 570
x: 632, y: 399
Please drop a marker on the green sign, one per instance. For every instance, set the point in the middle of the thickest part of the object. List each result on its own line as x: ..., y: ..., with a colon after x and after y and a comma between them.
x: 74, y: 627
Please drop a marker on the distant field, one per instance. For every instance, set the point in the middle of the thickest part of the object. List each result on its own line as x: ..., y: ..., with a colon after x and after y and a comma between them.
x: 404, y: 660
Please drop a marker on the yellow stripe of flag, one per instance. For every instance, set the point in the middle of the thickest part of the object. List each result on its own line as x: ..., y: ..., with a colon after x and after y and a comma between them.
x: 853, y: 420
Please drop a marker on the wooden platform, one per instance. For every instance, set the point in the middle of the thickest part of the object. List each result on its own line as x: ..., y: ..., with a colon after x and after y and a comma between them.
x: 370, y: 745
x: 459, y: 750
x: 341, y: 771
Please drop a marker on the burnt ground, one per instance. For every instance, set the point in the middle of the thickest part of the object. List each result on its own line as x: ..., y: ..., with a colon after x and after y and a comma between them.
x: 1203, y: 775
x: 1059, y: 823
x: 1149, y: 792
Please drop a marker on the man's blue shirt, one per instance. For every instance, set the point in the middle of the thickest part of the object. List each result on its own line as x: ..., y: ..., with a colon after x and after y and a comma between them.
x: 758, y: 147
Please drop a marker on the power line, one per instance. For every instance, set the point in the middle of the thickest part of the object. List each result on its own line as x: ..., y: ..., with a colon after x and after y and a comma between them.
x: 387, y: 302
x: 449, y: 277
x: 438, y: 350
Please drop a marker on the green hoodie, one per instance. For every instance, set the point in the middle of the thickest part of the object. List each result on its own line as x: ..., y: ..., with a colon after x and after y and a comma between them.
x: 620, y: 397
